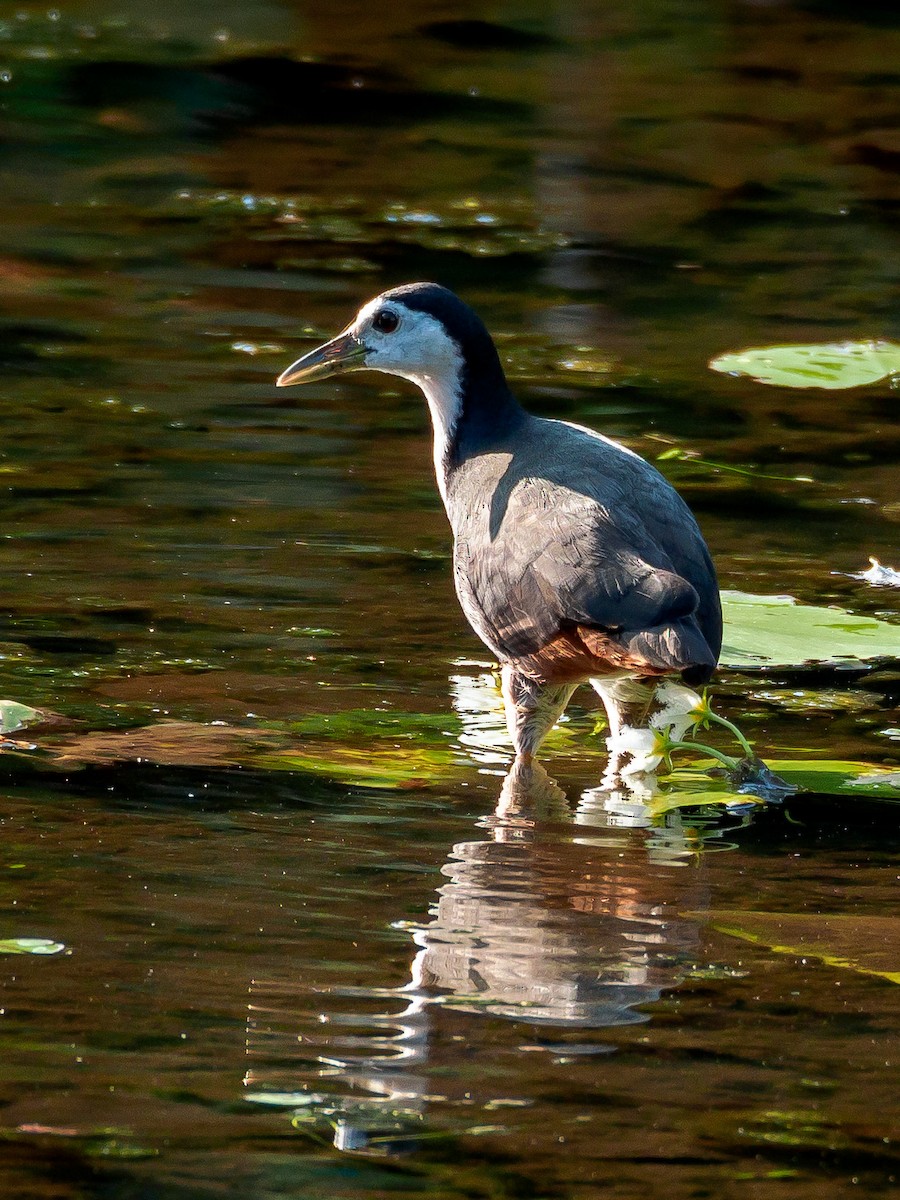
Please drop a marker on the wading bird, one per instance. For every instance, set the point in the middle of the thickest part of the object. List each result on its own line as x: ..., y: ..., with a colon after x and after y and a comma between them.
x: 575, y: 561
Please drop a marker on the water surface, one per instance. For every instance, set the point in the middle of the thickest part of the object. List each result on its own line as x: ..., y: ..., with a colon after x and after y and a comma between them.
x: 354, y: 977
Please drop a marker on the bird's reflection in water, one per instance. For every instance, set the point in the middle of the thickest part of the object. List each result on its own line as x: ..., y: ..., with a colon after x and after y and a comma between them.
x: 560, y: 930
x: 551, y: 919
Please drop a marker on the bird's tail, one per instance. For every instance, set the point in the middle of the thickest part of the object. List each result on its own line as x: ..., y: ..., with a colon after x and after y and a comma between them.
x: 676, y: 647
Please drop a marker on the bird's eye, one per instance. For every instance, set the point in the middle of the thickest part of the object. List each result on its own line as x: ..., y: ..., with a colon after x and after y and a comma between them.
x: 386, y: 321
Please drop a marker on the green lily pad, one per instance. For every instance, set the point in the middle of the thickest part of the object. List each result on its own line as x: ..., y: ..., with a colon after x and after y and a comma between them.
x: 868, y: 944
x: 14, y: 715
x: 367, y: 747
x: 836, y: 778
x: 699, y: 797
x: 829, y: 365
x: 766, y: 631
x: 689, y: 785
x: 30, y: 946
x: 364, y: 724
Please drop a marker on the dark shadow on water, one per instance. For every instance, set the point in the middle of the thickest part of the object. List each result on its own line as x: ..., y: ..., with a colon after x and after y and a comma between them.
x: 267, y: 89
x: 528, y: 799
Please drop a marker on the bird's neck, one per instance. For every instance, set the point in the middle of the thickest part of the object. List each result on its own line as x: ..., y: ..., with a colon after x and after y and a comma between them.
x: 471, y: 412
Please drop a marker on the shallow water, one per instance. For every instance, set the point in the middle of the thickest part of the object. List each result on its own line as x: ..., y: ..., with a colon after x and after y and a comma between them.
x: 305, y: 955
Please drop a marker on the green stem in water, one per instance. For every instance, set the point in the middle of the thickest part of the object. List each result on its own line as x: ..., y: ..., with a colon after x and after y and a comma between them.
x: 732, y: 728
x: 730, y: 763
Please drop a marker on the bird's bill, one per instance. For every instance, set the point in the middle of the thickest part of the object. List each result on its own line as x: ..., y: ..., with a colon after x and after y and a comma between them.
x: 343, y: 353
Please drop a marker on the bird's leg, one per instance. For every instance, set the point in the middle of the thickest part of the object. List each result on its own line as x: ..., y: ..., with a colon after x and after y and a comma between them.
x: 627, y: 702
x: 626, y: 699
x: 532, y: 709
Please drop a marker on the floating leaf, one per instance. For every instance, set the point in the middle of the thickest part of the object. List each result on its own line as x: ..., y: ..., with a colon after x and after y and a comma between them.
x: 691, y: 785
x: 701, y: 797
x: 765, y: 631
x: 365, y: 724
x: 30, y: 946
x: 837, y: 778
x: 368, y: 747
x: 867, y: 944
x: 829, y: 365
x: 14, y: 715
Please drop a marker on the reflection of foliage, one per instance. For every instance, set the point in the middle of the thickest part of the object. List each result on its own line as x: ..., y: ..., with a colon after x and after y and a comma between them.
x: 391, y: 748
x: 366, y: 767
x: 368, y: 747
x: 368, y: 724
x: 411, y: 750
x: 859, y: 942
x: 156, y: 502
x: 484, y: 228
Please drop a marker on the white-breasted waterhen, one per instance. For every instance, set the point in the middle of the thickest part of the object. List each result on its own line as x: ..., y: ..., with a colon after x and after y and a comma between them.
x: 575, y: 561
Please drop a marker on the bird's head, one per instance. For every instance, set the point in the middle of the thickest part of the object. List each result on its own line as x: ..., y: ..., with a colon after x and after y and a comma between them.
x: 428, y: 335
x: 420, y: 331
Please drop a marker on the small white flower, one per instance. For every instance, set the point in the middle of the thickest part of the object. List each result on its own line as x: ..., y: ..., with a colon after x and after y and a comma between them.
x: 680, y: 710
x: 645, y: 746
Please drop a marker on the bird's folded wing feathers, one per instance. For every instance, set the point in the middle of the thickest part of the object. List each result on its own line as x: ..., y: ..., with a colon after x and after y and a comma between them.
x: 561, y: 558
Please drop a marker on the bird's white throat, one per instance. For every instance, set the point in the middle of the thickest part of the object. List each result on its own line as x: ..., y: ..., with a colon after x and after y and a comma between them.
x: 423, y: 352
x: 444, y: 397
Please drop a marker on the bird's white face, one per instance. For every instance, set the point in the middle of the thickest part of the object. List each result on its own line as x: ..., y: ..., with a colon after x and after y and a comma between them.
x: 403, y: 341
